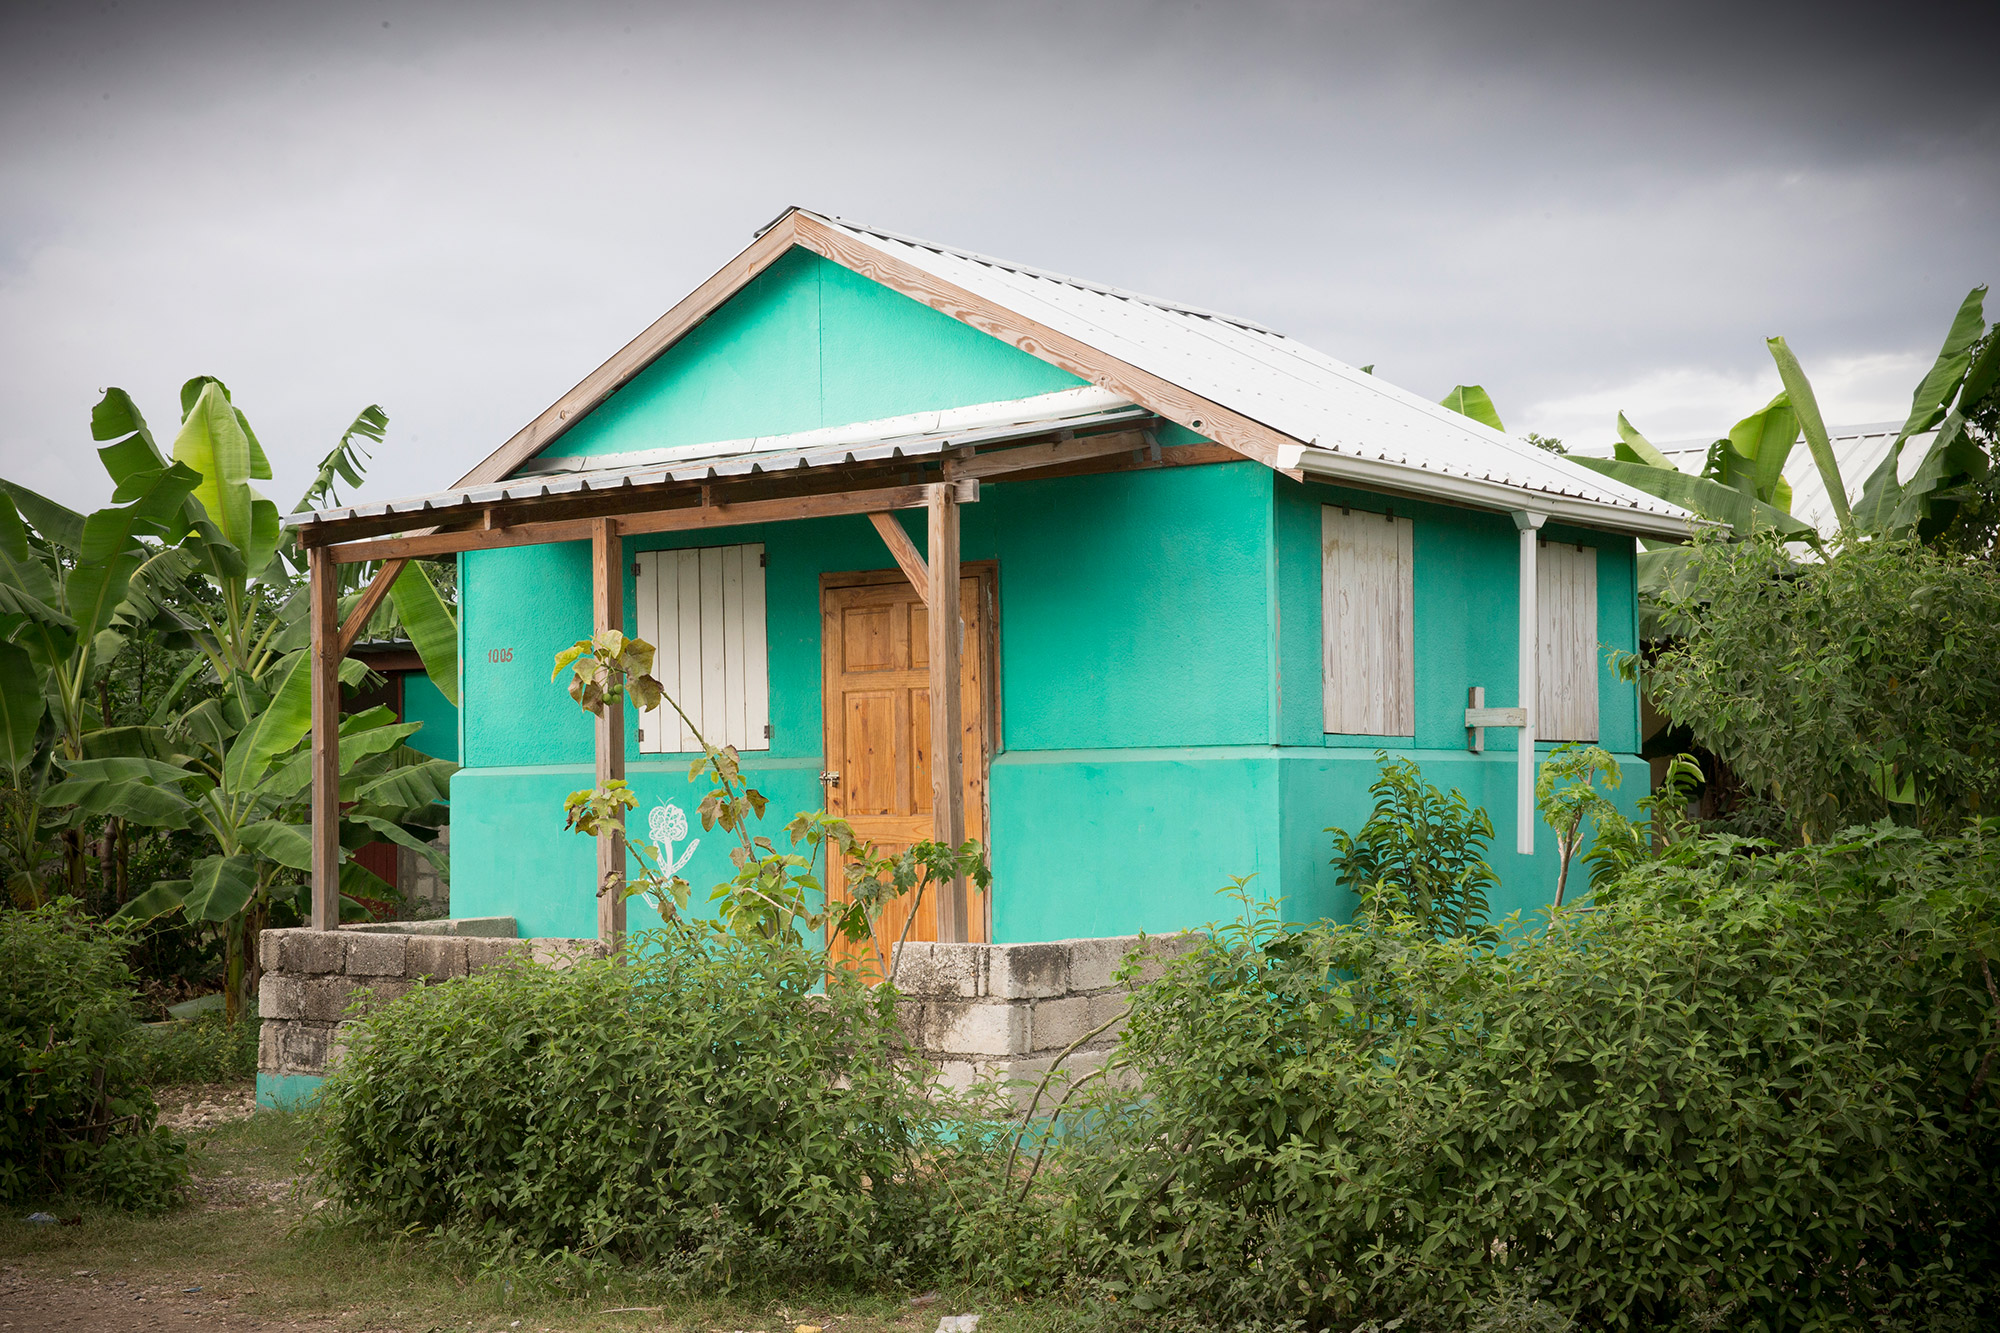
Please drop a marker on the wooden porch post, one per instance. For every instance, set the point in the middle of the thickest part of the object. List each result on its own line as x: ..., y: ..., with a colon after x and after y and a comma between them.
x: 947, y: 750
x: 324, y: 605
x: 607, y: 587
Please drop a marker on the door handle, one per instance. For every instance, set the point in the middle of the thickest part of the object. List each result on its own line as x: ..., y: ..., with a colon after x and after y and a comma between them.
x: 829, y: 779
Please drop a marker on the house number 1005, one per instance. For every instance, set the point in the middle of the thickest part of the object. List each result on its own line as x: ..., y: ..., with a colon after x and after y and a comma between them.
x: 499, y: 654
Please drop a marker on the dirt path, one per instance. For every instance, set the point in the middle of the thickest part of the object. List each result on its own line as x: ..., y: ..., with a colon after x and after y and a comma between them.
x: 85, y: 1303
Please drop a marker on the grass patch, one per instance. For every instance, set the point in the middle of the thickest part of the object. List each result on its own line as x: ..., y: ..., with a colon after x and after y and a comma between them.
x: 208, y: 1049
x: 251, y: 1237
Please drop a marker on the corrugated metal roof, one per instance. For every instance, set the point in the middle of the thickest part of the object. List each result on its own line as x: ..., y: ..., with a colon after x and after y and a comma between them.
x: 1277, y: 381
x: 913, y: 436
x: 1345, y: 424
x: 1859, y: 450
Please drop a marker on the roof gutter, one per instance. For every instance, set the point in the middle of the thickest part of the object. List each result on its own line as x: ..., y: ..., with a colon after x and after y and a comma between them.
x: 1421, y: 483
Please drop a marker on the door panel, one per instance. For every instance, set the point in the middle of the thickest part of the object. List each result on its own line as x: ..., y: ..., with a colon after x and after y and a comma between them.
x: 875, y: 641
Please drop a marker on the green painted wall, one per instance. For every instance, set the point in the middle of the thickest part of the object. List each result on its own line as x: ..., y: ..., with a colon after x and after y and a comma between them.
x: 287, y: 1092
x: 803, y: 346
x: 1130, y: 615
x: 424, y: 702
x: 1159, y: 646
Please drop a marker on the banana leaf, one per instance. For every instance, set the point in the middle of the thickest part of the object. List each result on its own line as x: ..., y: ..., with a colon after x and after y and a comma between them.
x: 22, y: 705
x: 1799, y: 390
x: 430, y: 625
x: 1470, y: 400
x: 1636, y: 448
x: 59, y: 524
x: 1701, y: 495
x: 274, y: 840
x: 165, y: 895
x: 215, y: 443
x: 401, y: 837
x: 144, y: 791
x: 221, y: 887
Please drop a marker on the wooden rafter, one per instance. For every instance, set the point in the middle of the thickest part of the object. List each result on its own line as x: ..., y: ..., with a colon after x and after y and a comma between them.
x: 635, y: 356
x: 378, y: 588
x: 908, y: 558
x: 683, y: 519
x: 1252, y: 439
x: 1243, y: 435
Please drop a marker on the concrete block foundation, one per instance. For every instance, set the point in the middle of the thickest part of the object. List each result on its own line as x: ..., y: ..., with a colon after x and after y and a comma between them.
x: 978, y: 1013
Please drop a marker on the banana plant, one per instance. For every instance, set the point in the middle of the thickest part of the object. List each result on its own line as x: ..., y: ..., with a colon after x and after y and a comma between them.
x: 239, y: 766
x: 189, y: 545
x: 236, y: 763
x: 1742, y: 482
x: 73, y: 590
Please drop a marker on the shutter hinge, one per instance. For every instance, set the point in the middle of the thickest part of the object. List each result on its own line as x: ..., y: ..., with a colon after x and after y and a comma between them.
x: 767, y: 731
x: 763, y: 559
x: 635, y: 569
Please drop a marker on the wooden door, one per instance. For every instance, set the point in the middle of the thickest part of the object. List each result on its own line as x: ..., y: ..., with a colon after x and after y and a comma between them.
x: 875, y: 640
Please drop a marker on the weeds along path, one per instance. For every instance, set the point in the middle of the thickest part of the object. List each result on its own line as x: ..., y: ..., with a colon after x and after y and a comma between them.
x: 245, y: 1253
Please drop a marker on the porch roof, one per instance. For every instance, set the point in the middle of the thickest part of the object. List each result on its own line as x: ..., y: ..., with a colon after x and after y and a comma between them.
x: 1084, y: 411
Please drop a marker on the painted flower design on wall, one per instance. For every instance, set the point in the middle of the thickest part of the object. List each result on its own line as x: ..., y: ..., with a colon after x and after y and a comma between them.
x: 669, y: 824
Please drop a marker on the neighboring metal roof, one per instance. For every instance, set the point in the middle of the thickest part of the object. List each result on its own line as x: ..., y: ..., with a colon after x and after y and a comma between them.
x: 1323, y: 404
x: 1859, y: 450
x: 911, y: 436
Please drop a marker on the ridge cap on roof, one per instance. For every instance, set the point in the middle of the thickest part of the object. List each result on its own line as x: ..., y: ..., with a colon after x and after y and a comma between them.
x: 1047, y: 275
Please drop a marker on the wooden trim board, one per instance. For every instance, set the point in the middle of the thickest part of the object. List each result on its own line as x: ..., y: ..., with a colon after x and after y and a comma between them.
x: 634, y: 356
x: 684, y: 519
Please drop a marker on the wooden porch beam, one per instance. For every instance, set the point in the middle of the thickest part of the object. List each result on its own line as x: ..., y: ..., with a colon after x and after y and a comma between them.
x: 908, y: 558
x: 357, y: 619
x: 947, y: 744
x: 324, y: 660
x: 1000, y: 462
x: 682, y: 519
x: 607, y: 596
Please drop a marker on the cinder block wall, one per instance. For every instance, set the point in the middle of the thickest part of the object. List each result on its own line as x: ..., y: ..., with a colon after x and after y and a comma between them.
x: 978, y: 1012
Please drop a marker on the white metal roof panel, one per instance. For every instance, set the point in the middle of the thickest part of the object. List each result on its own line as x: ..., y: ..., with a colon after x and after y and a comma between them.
x: 1275, y: 380
x: 914, y: 436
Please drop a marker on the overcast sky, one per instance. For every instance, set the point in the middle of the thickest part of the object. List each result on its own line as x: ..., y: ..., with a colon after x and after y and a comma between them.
x: 456, y: 211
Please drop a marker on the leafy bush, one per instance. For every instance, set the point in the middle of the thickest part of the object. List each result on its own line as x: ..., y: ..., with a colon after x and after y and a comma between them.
x: 1742, y: 1091
x: 1421, y: 852
x: 694, y: 1106
x: 208, y: 1049
x: 75, y: 1114
x: 1847, y: 690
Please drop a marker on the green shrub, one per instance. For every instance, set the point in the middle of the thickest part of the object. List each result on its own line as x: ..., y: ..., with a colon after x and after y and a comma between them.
x: 695, y: 1107
x: 1847, y: 689
x: 75, y: 1115
x: 207, y: 1049
x: 1741, y: 1091
x: 1421, y: 853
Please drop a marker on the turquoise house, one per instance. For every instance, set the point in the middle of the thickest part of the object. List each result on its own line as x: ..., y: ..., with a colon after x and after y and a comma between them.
x: 1201, y: 575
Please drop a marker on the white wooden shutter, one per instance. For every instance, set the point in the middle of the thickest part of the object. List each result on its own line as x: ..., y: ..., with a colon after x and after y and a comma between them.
x: 703, y: 609
x: 1566, y: 609
x: 1367, y: 623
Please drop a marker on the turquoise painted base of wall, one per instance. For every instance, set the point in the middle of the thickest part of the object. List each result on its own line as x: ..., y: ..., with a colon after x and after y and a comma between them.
x: 1086, y: 842
x: 287, y: 1092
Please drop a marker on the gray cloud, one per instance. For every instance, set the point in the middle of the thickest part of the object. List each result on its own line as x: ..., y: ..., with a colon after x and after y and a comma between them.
x: 460, y: 213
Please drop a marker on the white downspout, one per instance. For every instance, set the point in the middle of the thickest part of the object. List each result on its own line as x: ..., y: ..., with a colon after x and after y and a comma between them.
x: 1524, y: 795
